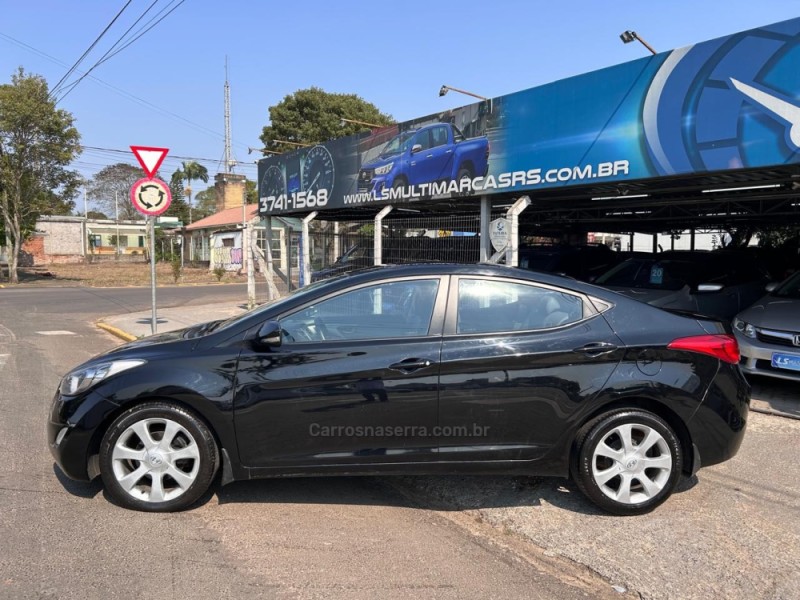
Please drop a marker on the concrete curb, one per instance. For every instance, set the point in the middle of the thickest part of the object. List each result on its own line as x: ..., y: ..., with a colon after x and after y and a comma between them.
x: 123, y: 335
x: 774, y: 413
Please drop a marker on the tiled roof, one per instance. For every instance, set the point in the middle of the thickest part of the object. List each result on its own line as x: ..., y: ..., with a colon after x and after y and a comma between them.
x: 230, y: 216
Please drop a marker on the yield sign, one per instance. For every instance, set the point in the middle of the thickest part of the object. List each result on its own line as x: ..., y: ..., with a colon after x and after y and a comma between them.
x: 150, y: 158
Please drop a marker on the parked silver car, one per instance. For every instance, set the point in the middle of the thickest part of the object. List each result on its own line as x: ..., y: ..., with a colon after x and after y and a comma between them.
x: 769, y: 332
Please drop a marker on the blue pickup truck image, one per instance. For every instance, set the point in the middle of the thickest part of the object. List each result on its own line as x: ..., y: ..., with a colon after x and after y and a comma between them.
x: 438, y: 152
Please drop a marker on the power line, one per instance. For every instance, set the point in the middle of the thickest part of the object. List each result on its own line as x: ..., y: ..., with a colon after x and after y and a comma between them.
x: 89, y: 49
x: 121, y: 92
x: 109, y: 52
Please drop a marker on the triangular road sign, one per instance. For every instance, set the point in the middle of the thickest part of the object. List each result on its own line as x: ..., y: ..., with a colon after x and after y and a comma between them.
x: 150, y: 158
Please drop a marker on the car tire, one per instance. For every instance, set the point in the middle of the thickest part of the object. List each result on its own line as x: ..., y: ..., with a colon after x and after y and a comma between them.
x: 627, y: 461
x: 399, y: 182
x: 464, y: 172
x: 158, y: 457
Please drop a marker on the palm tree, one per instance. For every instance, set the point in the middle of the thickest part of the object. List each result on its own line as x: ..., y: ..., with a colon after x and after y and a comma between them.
x: 190, y: 171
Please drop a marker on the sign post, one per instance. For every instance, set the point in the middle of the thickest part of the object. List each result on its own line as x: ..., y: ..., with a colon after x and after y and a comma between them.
x: 151, y: 197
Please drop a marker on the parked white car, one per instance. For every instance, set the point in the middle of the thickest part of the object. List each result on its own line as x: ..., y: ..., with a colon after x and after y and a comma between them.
x: 769, y: 332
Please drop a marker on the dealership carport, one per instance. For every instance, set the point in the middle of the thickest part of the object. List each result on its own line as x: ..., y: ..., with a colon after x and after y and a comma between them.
x: 700, y: 138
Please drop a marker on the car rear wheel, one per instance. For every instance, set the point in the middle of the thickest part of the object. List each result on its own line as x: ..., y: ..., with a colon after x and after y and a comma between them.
x: 158, y: 457
x: 628, y: 461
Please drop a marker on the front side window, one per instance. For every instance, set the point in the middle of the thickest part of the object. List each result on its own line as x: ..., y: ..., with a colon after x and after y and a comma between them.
x: 486, y: 306
x: 388, y: 310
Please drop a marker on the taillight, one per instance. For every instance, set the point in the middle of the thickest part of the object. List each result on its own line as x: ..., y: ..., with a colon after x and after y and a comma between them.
x: 723, y: 347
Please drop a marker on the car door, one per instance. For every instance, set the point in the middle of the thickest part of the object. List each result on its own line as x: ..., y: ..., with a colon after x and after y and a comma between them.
x: 353, y: 382
x: 518, y: 359
x: 433, y: 161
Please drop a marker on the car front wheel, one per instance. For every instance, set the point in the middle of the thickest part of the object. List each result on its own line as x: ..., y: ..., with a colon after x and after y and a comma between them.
x: 628, y: 461
x: 158, y: 457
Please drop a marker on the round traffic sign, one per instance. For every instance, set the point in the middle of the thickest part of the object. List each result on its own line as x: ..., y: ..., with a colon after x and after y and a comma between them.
x: 150, y: 196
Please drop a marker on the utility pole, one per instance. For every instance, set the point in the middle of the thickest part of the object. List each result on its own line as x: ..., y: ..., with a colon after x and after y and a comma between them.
x: 116, y: 219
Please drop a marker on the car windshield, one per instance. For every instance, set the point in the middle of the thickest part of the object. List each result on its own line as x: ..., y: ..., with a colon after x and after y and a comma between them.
x: 789, y: 288
x: 650, y: 274
x: 393, y: 147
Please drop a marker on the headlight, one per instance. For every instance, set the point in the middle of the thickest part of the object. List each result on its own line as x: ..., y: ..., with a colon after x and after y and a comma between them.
x: 82, y: 379
x: 384, y: 169
x: 746, y: 328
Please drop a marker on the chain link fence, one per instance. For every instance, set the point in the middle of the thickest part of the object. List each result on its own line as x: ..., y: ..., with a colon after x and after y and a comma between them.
x: 349, y: 246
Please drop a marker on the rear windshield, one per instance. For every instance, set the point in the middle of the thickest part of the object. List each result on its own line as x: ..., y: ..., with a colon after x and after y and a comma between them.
x: 650, y: 274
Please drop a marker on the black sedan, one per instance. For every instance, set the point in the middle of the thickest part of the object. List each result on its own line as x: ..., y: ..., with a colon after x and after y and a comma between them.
x: 414, y: 369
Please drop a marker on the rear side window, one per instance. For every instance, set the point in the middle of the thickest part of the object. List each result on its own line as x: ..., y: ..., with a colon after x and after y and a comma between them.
x: 497, y: 306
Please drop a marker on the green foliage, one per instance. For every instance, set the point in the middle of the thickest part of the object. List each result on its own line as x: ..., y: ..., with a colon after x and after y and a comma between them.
x: 251, y: 191
x: 219, y: 272
x: 205, y: 203
x: 189, y: 171
x: 178, y: 208
x: 177, y: 267
x: 37, y: 143
x: 314, y: 115
x: 94, y: 214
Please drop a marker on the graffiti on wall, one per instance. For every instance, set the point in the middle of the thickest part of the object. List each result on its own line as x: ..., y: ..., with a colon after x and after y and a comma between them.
x: 227, y: 257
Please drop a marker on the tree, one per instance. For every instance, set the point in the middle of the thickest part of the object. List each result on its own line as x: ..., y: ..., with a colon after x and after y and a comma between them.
x: 189, y: 171
x: 110, y: 189
x: 314, y: 115
x: 206, y: 203
x: 178, y: 207
x: 37, y: 142
x: 94, y: 214
x: 252, y: 191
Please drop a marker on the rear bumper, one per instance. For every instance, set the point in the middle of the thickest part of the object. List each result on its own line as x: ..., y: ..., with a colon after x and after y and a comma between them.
x: 718, y: 426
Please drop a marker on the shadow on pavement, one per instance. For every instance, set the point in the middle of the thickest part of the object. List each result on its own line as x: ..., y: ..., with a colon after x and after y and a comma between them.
x: 81, y: 489
x: 429, y: 492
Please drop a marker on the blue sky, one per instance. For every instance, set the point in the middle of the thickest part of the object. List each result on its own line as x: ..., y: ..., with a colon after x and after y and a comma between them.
x: 394, y: 54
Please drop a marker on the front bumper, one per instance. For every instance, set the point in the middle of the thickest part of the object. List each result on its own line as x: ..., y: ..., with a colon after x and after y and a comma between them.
x: 71, y: 428
x: 757, y: 358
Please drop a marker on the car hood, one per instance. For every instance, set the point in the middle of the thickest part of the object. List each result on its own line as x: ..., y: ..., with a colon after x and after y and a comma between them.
x: 147, y: 344
x: 381, y: 161
x: 772, y: 312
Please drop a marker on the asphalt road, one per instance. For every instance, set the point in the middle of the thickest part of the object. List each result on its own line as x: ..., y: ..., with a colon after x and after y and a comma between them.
x: 311, y: 538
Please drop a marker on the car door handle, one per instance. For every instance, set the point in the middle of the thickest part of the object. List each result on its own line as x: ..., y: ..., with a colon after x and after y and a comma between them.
x: 596, y: 348
x: 410, y: 365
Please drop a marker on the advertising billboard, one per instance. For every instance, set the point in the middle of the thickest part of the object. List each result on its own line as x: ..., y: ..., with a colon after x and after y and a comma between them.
x: 729, y: 103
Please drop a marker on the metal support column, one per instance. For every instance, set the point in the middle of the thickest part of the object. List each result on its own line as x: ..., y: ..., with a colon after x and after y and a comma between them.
x: 512, y: 251
x: 486, y: 217
x: 307, y: 249
x: 378, y: 246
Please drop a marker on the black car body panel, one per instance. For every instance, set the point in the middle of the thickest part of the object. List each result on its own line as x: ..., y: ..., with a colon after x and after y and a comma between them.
x: 528, y: 388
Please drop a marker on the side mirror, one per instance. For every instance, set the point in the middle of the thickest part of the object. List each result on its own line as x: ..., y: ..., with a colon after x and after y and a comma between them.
x: 709, y: 287
x: 772, y: 286
x: 270, y: 334
x: 416, y: 148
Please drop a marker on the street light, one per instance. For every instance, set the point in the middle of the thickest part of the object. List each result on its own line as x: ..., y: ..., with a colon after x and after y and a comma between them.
x: 445, y: 88
x: 298, y: 144
x: 354, y: 121
x: 628, y: 36
x: 262, y: 150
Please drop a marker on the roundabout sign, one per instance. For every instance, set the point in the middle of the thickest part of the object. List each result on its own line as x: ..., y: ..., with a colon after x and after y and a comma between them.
x: 150, y: 197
